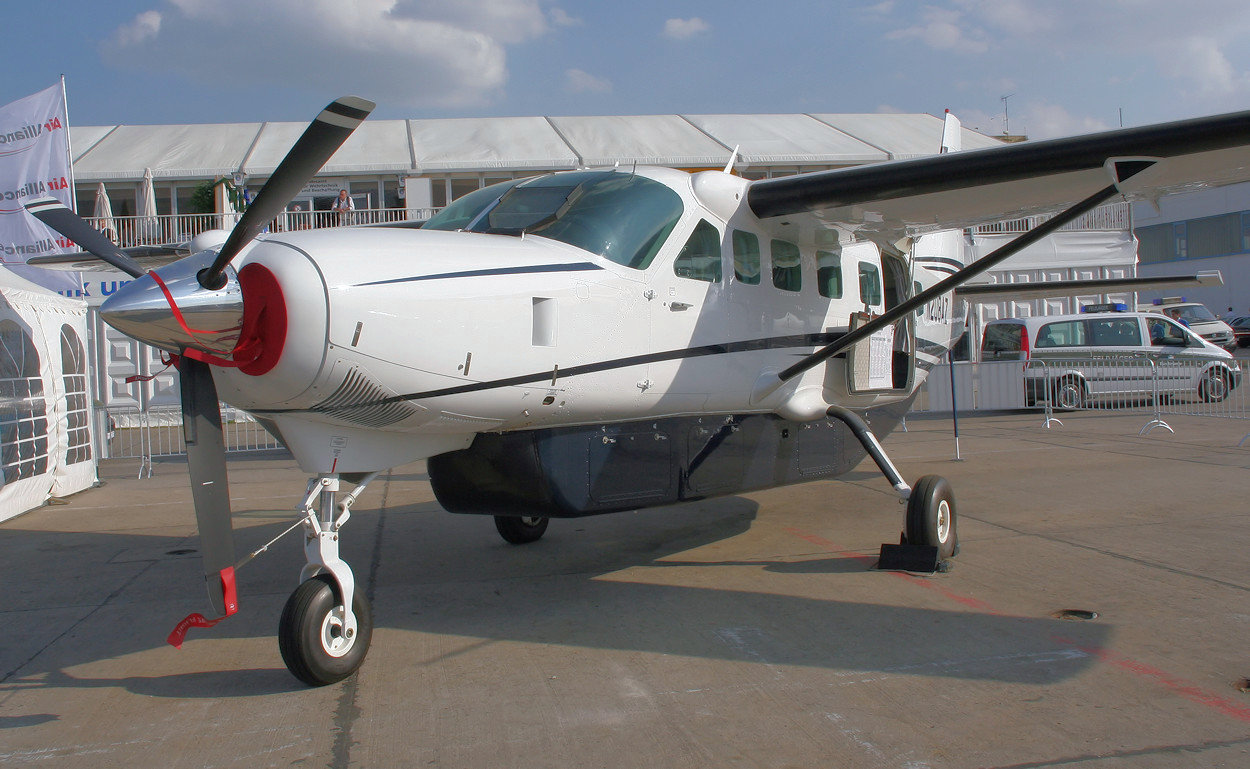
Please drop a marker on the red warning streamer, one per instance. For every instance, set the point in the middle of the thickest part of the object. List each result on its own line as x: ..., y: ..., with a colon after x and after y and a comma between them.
x: 196, y: 619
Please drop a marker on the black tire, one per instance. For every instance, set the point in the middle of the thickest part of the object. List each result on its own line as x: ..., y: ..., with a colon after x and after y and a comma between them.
x: 306, y: 632
x: 521, y: 530
x: 931, y: 515
x: 1070, y: 393
x: 1214, y: 386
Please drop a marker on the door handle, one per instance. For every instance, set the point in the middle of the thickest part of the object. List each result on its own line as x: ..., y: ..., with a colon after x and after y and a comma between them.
x: 679, y: 306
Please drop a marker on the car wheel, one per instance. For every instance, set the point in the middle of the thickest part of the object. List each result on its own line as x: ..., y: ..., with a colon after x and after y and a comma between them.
x: 1214, y: 387
x: 1070, y: 393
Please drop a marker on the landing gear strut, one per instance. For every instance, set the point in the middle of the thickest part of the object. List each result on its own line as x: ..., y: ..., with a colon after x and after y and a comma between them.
x: 930, y: 521
x: 327, y: 624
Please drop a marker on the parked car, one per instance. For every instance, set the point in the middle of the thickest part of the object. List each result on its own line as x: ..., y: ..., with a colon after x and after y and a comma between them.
x: 1241, y: 329
x: 1078, y: 360
x: 1197, y: 317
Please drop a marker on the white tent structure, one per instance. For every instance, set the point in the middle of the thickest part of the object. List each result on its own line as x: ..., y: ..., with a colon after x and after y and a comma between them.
x: 45, y: 407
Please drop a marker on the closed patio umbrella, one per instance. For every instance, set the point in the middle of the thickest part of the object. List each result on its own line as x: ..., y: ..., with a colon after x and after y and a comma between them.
x: 149, y: 225
x: 103, y: 213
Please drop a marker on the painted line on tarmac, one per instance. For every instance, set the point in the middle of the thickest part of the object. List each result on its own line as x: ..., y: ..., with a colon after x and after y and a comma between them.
x: 1178, y: 686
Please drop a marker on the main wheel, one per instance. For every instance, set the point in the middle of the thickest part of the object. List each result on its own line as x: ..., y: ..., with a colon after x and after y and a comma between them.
x: 521, y: 530
x: 311, y: 637
x: 1214, y: 387
x: 931, y: 515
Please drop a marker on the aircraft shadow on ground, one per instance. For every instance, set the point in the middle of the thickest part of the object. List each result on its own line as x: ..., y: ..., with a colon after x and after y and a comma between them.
x: 566, y: 590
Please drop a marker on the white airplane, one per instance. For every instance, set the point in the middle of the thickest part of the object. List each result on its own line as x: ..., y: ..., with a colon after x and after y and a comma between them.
x: 594, y: 341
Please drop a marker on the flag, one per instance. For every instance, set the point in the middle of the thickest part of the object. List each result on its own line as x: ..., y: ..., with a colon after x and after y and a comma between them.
x: 34, y: 163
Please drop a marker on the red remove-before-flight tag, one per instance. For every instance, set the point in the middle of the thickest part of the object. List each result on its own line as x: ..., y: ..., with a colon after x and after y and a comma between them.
x: 231, y: 600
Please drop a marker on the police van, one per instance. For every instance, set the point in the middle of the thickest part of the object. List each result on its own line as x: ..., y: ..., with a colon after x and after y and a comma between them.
x: 1197, y: 317
x: 1107, y: 353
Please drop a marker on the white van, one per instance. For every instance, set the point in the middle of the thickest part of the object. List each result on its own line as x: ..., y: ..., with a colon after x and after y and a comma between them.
x: 1197, y: 317
x: 1078, y: 360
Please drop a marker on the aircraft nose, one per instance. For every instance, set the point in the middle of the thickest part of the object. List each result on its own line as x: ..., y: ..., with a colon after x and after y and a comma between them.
x: 168, y: 309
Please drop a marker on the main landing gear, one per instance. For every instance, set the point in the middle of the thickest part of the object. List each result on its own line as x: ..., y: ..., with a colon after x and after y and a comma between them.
x: 930, y: 520
x: 322, y: 640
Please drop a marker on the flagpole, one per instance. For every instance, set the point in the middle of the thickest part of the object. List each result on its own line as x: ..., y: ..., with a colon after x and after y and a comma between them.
x: 69, y: 151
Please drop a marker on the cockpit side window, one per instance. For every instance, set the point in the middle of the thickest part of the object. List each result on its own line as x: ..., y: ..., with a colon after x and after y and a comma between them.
x: 700, y: 258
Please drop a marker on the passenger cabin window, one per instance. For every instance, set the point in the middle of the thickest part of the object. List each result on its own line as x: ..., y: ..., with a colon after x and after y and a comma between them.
x: 829, y: 274
x: 1068, y: 333
x: 1115, y: 332
x: 746, y: 257
x: 787, y: 266
x: 699, y: 259
x: 869, y: 283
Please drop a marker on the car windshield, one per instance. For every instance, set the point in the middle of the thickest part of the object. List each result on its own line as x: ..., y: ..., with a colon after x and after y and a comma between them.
x: 618, y: 215
x: 1191, y: 313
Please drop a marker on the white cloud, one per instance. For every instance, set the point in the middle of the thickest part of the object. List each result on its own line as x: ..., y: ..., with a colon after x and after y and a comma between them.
x: 142, y: 28
x: 682, y: 29
x: 1199, y: 62
x: 944, y: 30
x: 579, y: 81
x: 561, y: 18
x: 416, y: 53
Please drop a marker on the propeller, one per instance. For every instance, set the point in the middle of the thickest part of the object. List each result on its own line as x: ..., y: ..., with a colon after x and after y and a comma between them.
x: 319, y: 141
x: 57, y: 215
x: 201, y: 414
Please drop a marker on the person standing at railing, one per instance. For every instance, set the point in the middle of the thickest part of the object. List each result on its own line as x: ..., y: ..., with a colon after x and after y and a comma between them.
x: 343, y: 206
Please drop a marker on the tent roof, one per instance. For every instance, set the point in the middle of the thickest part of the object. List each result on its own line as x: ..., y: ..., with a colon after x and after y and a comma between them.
x: 469, y: 145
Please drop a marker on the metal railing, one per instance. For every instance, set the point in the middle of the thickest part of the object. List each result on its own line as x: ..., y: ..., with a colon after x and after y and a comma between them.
x: 132, y: 433
x: 1113, y: 216
x: 1144, y: 385
x: 164, y: 229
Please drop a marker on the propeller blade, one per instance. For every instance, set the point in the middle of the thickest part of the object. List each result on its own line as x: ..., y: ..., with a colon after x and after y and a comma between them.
x: 321, y: 139
x: 210, y: 489
x: 57, y: 215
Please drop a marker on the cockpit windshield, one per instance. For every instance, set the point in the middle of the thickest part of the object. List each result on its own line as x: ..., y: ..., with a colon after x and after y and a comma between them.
x: 620, y: 216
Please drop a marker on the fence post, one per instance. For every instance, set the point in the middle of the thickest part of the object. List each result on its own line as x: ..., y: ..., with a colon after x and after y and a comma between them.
x: 1156, y: 419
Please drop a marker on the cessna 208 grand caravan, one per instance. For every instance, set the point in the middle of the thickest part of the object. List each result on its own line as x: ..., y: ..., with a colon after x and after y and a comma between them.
x: 593, y: 341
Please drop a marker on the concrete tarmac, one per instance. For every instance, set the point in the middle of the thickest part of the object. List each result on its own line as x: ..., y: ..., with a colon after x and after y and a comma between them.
x: 746, y: 631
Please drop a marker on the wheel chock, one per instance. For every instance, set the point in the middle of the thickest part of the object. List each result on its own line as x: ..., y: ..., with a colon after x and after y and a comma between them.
x: 907, y: 557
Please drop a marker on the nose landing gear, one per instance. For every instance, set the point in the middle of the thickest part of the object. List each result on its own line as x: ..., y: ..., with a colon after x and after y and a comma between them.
x: 321, y: 639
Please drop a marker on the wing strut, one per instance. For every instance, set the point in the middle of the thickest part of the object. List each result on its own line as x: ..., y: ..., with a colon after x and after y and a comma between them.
x: 949, y: 284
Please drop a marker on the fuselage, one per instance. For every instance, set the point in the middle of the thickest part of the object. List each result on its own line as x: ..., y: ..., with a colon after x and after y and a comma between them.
x: 402, y: 343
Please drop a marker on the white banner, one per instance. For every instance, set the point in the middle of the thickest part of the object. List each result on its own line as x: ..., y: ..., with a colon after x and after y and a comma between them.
x: 34, y: 163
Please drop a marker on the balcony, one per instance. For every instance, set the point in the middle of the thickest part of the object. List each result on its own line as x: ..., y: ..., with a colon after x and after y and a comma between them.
x: 166, y: 229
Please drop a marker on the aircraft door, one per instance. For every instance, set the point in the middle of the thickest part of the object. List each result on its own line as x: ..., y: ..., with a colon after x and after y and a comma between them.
x: 688, y: 311
x: 886, y: 362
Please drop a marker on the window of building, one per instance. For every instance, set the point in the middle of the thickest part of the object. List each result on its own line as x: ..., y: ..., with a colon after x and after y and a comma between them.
x: 1180, y: 240
x: 869, y: 283
x: 699, y: 259
x: 829, y: 273
x: 1213, y: 235
x: 1154, y: 244
x: 746, y: 257
x: 787, y: 265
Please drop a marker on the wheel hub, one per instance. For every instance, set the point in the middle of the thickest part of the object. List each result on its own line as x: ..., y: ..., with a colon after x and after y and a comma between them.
x: 943, y: 520
x: 336, y: 639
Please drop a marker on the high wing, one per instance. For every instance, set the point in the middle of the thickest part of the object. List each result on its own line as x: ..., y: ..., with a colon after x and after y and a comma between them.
x: 887, y: 201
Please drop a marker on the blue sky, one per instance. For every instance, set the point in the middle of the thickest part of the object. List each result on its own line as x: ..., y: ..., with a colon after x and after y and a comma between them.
x: 1070, y: 66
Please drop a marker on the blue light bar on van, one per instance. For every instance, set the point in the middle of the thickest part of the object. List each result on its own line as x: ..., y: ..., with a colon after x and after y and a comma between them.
x: 1107, y: 307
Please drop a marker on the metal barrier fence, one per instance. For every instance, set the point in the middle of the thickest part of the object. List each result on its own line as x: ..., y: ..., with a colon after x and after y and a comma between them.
x: 157, y: 432
x: 1157, y: 387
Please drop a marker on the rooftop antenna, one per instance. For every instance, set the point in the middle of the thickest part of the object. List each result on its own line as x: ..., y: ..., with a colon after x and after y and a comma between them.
x: 1006, y: 121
